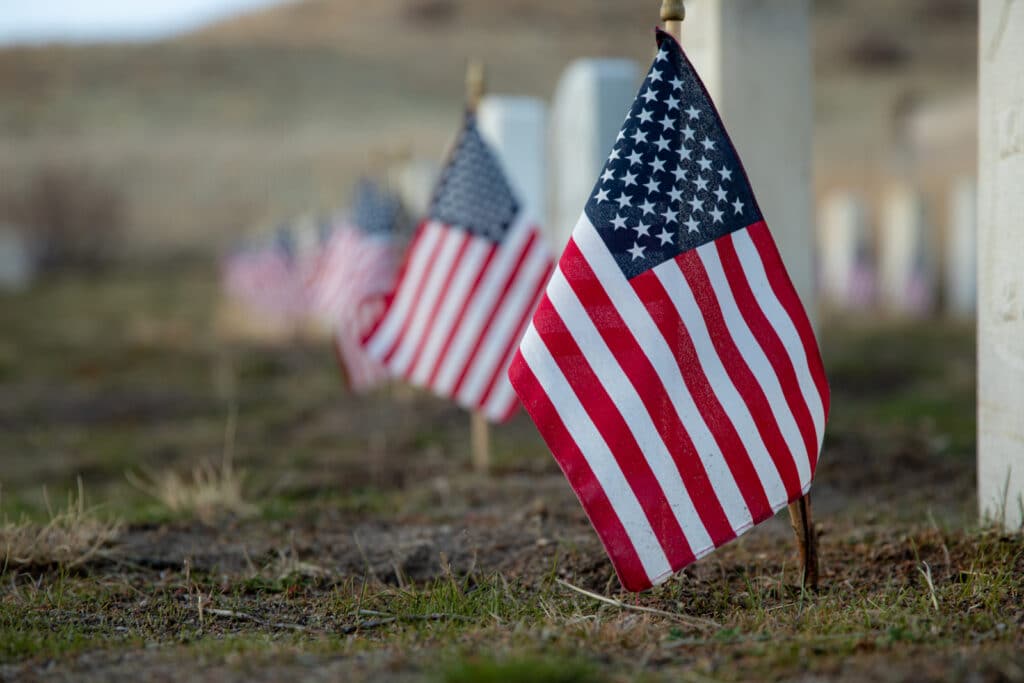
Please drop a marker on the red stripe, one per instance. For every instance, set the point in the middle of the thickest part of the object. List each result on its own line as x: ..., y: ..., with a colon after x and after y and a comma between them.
x: 517, y: 336
x: 673, y: 328
x: 615, y: 432
x: 418, y: 288
x: 467, y: 238
x: 739, y: 372
x: 463, y: 308
x: 769, y: 340
x: 495, y: 310
x: 785, y: 292
x: 641, y: 373
x: 400, y: 277
x: 576, y: 469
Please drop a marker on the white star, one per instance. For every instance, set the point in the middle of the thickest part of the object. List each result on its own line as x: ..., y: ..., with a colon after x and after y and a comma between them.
x: 716, y: 214
x: 642, y: 230
x: 634, y: 158
x: 602, y: 195
x: 607, y: 175
x: 637, y: 251
x: 725, y: 173
x: 695, y: 205
x: 672, y: 103
x: 709, y: 145
x: 623, y: 200
x: 645, y: 116
x: 705, y: 164
x: 639, y: 136
x: 655, y: 75
x: 629, y: 178
x: 738, y: 205
x: 667, y: 122
x: 693, y: 112
x: 662, y: 144
x: 662, y: 55
x: 687, y: 132
x: 621, y: 135
x: 665, y: 236
x: 657, y: 165
x: 680, y: 173
x: 701, y: 183
x: 721, y: 194
x: 676, y: 83
x: 692, y: 225
x: 619, y: 222
x: 649, y: 95
x: 669, y: 215
x: 675, y: 195
x: 614, y: 155
x: 647, y: 207
x: 653, y: 186
x: 685, y: 154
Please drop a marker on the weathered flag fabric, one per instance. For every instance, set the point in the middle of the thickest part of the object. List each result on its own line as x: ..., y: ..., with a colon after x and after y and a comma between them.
x: 471, y: 279
x: 264, y: 278
x: 670, y: 365
x: 356, y: 273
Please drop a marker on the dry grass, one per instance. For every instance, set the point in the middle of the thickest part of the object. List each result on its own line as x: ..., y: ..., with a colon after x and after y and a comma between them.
x: 73, y: 536
x: 210, y: 493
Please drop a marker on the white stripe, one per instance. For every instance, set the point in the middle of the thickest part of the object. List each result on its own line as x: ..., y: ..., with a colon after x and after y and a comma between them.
x: 756, y: 360
x: 503, y: 398
x: 753, y: 267
x: 597, y: 454
x: 721, y: 383
x: 480, y: 306
x: 442, y: 324
x: 405, y: 298
x: 427, y: 299
x: 631, y: 408
x: 503, y: 328
x: 663, y: 358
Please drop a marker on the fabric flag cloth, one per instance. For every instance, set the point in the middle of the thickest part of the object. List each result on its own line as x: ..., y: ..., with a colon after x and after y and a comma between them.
x: 670, y: 366
x: 471, y: 280
x: 356, y: 273
x: 264, y: 278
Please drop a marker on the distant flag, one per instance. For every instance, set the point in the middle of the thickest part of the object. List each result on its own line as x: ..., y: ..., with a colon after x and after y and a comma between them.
x: 471, y: 280
x: 670, y: 365
x: 263, y: 277
x: 356, y: 272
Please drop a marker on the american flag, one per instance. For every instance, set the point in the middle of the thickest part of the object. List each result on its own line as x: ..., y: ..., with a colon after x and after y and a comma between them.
x: 264, y: 277
x: 474, y: 271
x: 670, y: 366
x: 356, y: 272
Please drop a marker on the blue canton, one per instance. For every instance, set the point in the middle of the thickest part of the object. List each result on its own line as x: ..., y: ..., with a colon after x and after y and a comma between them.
x: 373, y: 210
x: 673, y: 181
x: 473, y: 193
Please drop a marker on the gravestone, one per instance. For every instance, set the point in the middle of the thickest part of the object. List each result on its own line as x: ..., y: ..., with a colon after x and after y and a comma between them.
x: 846, y: 265
x: 754, y: 57
x: 414, y: 181
x: 1000, y: 252
x: 591, y: 100
x: 515, y: 127
x: 906, y: 262
x: 961, y: 271
x: 17, y: 260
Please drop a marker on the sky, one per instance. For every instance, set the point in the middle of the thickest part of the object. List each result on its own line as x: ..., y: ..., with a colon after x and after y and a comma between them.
x: 44, y: 21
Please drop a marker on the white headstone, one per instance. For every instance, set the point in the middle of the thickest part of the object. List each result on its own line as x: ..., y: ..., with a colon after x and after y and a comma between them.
x: 961, y: 273
x: 591, y: 100
x: 1000, y: 254
x: 17, y: 260
x: 906, y: 260
x: 414, y: 182
x: 754, y: 56
x: 515, y: 126
x: 846, y: 265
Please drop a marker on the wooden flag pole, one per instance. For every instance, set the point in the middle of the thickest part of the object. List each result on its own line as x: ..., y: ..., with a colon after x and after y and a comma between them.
x: 672, y: 14
x: 479, y: 430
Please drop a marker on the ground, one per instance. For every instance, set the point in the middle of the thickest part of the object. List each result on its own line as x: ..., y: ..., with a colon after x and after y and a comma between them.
x: 331, y: 537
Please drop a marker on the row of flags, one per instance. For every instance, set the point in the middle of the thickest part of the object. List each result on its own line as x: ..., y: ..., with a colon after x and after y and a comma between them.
x: 665, y: 358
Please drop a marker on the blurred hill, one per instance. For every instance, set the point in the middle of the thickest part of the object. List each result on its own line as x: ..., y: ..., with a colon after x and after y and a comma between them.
x: 274, y: 112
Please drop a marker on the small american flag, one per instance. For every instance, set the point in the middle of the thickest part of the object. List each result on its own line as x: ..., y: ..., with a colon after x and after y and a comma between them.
x: 670, y: 365
x: 264, y: 278
x: 356, y: 272
x: 474, y: 271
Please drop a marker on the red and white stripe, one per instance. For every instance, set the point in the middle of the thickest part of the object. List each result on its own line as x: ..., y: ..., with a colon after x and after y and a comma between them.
x: 355, y: 274
x: 264, y: 280
x: 684, y: 405
x: 458, y: 312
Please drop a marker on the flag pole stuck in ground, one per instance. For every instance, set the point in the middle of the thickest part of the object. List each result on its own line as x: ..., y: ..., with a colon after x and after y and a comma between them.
x: 673, y: 12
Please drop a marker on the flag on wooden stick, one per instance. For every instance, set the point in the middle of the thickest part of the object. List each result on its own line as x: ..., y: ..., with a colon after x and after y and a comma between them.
x: 474, y: 271
x: 670, y: 365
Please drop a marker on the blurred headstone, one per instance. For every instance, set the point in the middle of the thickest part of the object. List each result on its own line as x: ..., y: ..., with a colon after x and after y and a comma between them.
x: 414, y: 181
x: 1001, y: 274
x: 755, y: 59
x: 591, y: 100
x: 847, y: 273
x: 515, y: 126
x: 961, y: 272
x: 906, y: 268
x: 18, y: 263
